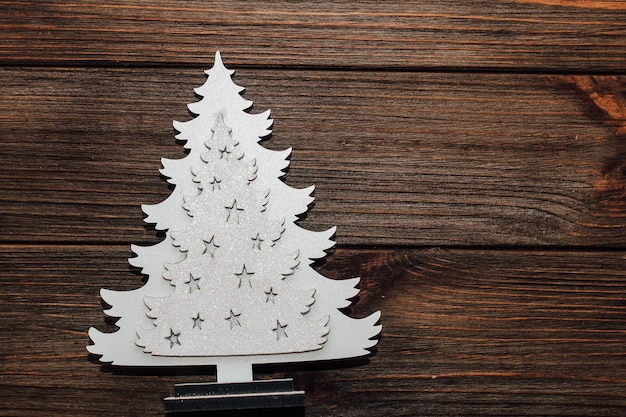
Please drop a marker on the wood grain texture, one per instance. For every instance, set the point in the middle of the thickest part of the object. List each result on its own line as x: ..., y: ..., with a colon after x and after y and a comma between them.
x: 397, y: 158
x: 466, y: 332
x: 531, y: 35
x: 471, y: 153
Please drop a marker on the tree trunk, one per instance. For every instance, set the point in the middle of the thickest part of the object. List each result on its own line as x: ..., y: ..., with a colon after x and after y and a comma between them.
x: 234, y: 370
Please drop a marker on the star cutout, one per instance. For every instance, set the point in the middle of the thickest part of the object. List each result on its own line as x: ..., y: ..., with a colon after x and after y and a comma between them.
x: 224, y: 152
x: 233, y: 320
x: 215, y: 183
x: 193, y: 283
x: 280, y: 330
x: 244, y: 277
x: 270, y: 296
x: 197, y: 322
x: 173, y: 338
x: 210, y: 247
x: 256, y: 242
x: 233, y: 211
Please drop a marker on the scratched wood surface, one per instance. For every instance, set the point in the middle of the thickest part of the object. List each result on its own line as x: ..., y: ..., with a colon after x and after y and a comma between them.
x: 472, y: 155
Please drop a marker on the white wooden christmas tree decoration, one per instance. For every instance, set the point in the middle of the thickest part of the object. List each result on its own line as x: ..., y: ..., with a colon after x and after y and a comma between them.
x: 231, y: 285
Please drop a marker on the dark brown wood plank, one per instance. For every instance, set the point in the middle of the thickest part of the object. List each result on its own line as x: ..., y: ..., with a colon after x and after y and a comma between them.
x: 397, y: 158
x: 466, y: 332
x: 523, y: 34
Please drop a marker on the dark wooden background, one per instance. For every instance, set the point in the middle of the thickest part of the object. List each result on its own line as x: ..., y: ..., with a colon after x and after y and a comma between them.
x: 472, y: 154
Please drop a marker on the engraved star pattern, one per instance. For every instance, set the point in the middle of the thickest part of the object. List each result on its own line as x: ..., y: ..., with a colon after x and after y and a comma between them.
x: 233, y: 319
x: 244, y: 277
x: 224, y: 153
x: 197, y: 322
x: 233, y: 212
x: 280, y: 330
x: 215, y: 184
x: 173, y: 338
x: 270, y: 296
x: 210, y: 247
x: 256, y: 242
x: 193, y: 284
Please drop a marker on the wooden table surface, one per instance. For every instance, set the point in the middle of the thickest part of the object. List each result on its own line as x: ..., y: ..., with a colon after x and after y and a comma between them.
x: 471, y: 153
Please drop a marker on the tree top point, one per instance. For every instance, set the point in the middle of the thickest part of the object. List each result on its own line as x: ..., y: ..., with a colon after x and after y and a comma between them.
x: 219, y: 65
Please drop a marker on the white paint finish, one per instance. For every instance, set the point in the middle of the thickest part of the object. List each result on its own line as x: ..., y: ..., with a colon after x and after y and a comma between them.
x: 231, y: 285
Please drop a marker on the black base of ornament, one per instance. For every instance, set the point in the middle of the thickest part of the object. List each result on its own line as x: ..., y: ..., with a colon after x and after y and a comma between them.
x: 234, y: 396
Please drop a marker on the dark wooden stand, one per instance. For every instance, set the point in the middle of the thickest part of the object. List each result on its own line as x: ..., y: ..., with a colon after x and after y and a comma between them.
x: 234, y: 396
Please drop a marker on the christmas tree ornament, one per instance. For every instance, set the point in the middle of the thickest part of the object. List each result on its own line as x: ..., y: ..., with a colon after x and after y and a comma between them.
x: 231, y: 284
